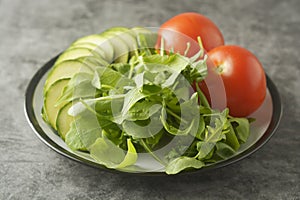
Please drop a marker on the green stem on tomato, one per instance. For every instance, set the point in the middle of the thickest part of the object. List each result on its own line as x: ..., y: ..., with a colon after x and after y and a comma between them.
x: 200, y: 45
x: 188, y: 46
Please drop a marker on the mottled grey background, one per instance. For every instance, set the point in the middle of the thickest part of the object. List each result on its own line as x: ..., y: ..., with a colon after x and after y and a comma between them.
x: 33, y: 31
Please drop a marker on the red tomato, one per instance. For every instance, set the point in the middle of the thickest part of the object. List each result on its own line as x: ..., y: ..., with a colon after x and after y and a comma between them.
x: 186, y: 27
x: 235, y: 79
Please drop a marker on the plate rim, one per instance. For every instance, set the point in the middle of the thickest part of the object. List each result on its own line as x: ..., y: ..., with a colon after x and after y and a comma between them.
x: 32, y: 120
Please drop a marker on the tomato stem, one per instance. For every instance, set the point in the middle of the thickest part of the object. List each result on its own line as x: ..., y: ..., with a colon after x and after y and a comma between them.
x: 188, y: 46
x: 200, y: 45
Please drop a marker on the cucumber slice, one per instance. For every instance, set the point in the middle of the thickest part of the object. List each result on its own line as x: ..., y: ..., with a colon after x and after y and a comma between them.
x: 86, y: 45
x: 74, y: 53
x: 64, y: 120
x: 126, y: 35
x: 121, y: 50
x: 101, y: 43
x: 65, y: 69
x: 93, y: 62
x: 52, y: 95
x: 93, y: 47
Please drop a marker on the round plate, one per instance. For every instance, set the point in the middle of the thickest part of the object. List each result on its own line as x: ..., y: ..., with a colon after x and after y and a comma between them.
x: 267, y: 120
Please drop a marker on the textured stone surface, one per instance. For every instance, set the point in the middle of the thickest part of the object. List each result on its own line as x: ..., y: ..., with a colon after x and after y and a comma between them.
x: 32, y: 32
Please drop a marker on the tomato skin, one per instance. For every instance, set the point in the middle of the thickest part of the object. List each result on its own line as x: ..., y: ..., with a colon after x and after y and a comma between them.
x: 191, y: 25
x: 243, y: 85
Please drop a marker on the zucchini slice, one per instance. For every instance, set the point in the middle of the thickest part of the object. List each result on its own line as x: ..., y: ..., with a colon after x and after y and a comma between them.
x: 101, y: 42
x: 52, y: 95
x: 64, y: 120
x: 65, y: 69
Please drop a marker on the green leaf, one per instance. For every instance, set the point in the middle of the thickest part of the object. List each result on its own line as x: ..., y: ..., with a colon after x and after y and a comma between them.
x: 189, y: 118
x: 88, y: 129
x: 122, y: 68
x: 153, y: 141
x: 101, y: 103
x: 204, y: 149
x: 73, y: 140
x: 224, y: 150
x: 174, y: 130
x: 85, y: 129
x: 241, y: 127
x: 111, y: 79
x: 96, y: 80
x: 108, y: 154
x: 132, y: 97
x: 143, y: 128
x: 174, y: 62
x: 231, y: 138
x: 182, y: 163
x: 217, y: 124
x: 143, y: 110
x: 201, y: 129
x: 131, y: 156
x: 79, y: 86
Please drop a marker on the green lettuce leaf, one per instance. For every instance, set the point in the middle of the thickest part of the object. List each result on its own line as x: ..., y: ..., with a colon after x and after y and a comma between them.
x: 108, y: 154
x: 182, y: 163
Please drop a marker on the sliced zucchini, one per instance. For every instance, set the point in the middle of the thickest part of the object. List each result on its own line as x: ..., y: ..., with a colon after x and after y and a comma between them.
x: 52, y: 95
x: 92, y: 61
x: 65, y: 69
x: 101, y: 42
x: 93, y: 47
x: 64, y: 120
x: 126, y: 35
x: 121, y: 50
x: 74, y: 53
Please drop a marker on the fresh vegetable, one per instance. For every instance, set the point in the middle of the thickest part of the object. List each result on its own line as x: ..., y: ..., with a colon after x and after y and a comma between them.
x: 141, y: 102
x: 235, y: 80
x: 184, y: 29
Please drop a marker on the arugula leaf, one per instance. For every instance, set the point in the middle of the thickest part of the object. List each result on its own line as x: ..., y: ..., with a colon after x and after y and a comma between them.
x: 79, y: 86
x: 204, y: 149
x: 143, y: 128
x: 181, y: 163
x: 189, y: 118
x: 174, y: 130
x: 214, y: 130
x: 223, y: 150
x: 73, y: 140
x: 158, y: 63
x: 107, y: 153
x: 122, y: 68
x: 143, y: 110
x: 154, y: 140
x: 231, y: 138
x: 241, y: 127
x: 84, y: 130
x: 96, y: 80
x: 131, y: 97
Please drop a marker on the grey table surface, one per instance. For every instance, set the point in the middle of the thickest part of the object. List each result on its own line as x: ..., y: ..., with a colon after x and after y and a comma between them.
x: 32, y: 32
